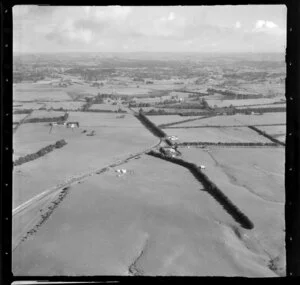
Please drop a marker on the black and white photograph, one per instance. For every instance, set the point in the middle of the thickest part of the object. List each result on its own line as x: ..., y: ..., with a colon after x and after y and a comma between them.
x: 149, y: 140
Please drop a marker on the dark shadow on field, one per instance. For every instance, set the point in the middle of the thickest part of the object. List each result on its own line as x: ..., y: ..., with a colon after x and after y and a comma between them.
x: 212, y: 189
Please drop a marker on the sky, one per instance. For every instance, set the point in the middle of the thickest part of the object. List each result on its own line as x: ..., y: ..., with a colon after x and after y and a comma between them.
x: 243, y: 28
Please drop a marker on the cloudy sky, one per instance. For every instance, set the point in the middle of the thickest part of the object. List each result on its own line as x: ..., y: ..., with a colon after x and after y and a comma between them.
x: 249, y: 28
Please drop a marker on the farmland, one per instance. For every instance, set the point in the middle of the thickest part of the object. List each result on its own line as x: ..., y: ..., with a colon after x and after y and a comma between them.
x: 235, y: 134
x: 104, y: 197
x: 238, y: 120
x: 177, y: 233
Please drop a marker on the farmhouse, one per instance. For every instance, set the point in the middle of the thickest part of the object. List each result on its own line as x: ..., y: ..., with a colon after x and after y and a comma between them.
x: 72, y: 124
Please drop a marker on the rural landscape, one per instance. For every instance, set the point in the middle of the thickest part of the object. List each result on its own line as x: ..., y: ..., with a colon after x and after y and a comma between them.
x: 154, y: 164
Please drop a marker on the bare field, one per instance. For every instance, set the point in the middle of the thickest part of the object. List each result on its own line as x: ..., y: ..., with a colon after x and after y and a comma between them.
x: 239, y: 119
x: 160, y: 222
x: 78, y: 156
x: 217, y: 135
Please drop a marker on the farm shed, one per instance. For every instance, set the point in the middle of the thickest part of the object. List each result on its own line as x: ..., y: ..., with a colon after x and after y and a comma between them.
x: 72, y: 124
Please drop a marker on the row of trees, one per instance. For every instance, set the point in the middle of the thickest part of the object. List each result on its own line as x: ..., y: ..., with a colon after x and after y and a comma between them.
x: 266, y: 135
x: 59, y: 119
x: 233, y: 94
x: 211, y: 188
x: 151, y: 126
x: 40, y: 153
x: 23, y: 111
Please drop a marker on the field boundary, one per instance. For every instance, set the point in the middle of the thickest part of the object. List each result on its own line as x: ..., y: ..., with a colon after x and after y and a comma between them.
x: 21, y: 122
x: 211, y: 188
x: 42, y: 152
x: 48, y: 120
x: 164, y: 126
x: 155, y: 130
x: 229, y: 126
x: 266, y: 135
x: 248, y: 144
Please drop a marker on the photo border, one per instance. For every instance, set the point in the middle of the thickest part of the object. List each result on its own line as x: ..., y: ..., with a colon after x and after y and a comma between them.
x: 292, y: 171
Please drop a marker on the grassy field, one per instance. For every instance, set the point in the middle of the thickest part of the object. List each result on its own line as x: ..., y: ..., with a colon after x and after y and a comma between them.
x: 239, y: 119
x: 46, y: 114
x: 28, y: 105
x: 18, y: 117
x: 90, y: 119
x: 278, y: 132
x: 104, y: 107
x: 109, y: 145
x: 70, y: 105
x: 160, y: 222
x: 162, y: 119
x: 265, y: 106
x: 216, y: 135
x: 39, y: 92
x: 112, y: 89
x: 227, y: 103
x: 253, y: 179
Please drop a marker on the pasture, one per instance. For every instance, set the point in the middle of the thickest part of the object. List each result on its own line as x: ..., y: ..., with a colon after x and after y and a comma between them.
x: 157, y: 211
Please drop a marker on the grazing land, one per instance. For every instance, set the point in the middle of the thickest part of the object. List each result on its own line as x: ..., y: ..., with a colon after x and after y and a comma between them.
x: 235, y: 134
x: 144, y: 232
x: 103, y: 204
x: 238, y: 120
